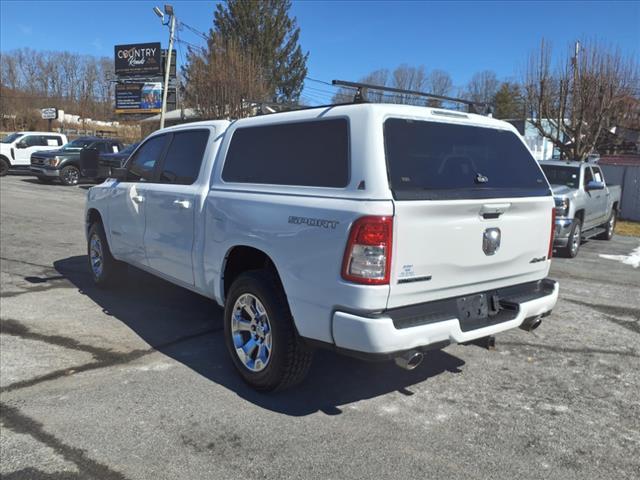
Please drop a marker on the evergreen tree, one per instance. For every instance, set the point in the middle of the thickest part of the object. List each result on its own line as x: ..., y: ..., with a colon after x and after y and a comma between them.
x: 509, y: 102
x: 264, y: 30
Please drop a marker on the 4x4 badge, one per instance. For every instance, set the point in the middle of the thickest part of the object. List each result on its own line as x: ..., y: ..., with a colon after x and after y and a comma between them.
x: 491, y: 241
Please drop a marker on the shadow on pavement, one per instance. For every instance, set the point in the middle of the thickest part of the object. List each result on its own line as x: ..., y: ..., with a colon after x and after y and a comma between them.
x: 162, y: 314
x: 85, y: 184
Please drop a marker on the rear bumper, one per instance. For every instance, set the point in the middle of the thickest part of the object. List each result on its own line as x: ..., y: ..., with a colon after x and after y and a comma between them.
x: 419, y: 326
x: 45, y: 172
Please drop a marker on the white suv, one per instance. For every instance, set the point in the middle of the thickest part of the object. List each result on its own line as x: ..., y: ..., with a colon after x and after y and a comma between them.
x: 377, y: 230
x: 16, y: 148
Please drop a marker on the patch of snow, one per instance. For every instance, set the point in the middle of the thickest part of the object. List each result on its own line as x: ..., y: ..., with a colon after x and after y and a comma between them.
x: 632, y: 259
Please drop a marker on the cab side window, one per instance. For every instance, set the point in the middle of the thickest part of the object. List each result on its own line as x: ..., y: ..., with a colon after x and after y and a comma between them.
x: 142, y: 165
x: 588, y: 176
x: 33, y: 141
x: 184, y: 157
x: 99, y: 146
x: 597, y: 174
x: 52, y: 141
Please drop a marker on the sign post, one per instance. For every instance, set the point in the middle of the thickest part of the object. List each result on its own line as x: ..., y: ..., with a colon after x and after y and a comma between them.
x: 49, y: 114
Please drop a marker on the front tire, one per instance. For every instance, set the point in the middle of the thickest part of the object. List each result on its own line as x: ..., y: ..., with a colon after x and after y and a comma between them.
x: 575, y: 238
x: 105, y: 270
x: 70, y: 175
x: 4, y: 167
x: 260, y: 335
x: 610, y: 227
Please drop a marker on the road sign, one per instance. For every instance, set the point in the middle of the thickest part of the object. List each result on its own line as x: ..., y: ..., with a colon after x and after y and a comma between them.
x: 49, y: 113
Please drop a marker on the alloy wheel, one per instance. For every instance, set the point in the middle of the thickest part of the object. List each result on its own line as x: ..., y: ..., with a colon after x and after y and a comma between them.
x: 575, y: 239
x: 96, y: 255
x: 611, y: 225
x: 251, y: 332
x: 71, y: 176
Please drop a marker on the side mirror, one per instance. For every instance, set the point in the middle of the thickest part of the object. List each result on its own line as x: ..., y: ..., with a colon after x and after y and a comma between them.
x: 593, y: 185
x: 119, y: 173
x: 21, y: 144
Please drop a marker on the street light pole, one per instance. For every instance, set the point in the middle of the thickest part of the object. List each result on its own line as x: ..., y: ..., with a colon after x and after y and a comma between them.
x: 167, y: 68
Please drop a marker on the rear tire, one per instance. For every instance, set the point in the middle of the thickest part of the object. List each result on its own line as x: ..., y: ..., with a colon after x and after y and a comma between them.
x: 260, y: 334
x: 4, y: 167
x: 575, y: 238
x: 610, y: 227
x: 105, y: 270
x: 70, y: 175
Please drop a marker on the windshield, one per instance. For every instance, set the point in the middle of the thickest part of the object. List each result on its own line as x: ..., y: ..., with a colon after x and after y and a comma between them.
x: 429, y: 161
x: 78, y: 144
x: 11, y: 137
x: 559, y: 175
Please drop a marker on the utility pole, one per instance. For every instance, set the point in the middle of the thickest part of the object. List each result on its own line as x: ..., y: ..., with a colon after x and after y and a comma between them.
x: 168, y: 9
x: 574, y: 100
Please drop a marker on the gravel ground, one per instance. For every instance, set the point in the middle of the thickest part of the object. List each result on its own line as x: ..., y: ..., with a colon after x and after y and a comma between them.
x: 136, y: 384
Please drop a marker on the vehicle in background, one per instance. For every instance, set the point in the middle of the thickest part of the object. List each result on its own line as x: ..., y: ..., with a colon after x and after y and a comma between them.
x: 64, y: 164
x: 377, y: 230
x: 16, y: 148
x: 107, y: 161
x: 586, y: 206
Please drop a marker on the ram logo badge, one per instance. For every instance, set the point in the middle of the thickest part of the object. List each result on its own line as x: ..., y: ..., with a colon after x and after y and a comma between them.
x: 491, y: 241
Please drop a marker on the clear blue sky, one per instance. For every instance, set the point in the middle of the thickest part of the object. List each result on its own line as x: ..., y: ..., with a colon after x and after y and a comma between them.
x: 346, y: 39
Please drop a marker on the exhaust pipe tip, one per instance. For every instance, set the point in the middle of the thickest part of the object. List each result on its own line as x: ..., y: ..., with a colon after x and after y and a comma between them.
x: 530, y: 324
x: 409, y: 360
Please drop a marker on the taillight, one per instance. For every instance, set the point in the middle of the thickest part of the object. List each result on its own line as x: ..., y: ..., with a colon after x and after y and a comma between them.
x: 367, y: 258
x: 553, y: 231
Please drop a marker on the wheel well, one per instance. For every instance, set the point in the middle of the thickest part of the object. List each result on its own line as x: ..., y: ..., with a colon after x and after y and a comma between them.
x: 93, y: 216
x: 615, y: 206
x: 580, y: 214
x: 2, y: 157
x: 241, y: 259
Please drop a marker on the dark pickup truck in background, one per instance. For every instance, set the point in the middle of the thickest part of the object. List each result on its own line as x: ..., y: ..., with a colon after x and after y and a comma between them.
x: 64, y: 164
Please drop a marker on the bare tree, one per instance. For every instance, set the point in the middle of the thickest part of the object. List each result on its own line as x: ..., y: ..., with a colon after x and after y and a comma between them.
x: 584, y: 95
x: 439, y: 83
x: 404, y: 77
x: 221, y: 80
x: 377, y: 77
x: 75, y: 83
x: 409, y: 78
x: 483, y: 87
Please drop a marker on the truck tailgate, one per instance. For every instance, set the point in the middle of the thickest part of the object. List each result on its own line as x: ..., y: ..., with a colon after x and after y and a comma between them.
x: 440, y: 249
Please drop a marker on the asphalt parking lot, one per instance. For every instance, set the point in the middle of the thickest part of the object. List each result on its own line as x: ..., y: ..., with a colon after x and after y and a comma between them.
x: 136, y: 384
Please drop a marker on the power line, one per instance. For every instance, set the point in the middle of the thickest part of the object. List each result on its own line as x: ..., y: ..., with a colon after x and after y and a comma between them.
x: 319, y: 81
x: 195, y: 30
x: 192, y: 45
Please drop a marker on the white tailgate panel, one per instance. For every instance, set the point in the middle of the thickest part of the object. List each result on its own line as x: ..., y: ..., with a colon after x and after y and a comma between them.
x: 443, y: 240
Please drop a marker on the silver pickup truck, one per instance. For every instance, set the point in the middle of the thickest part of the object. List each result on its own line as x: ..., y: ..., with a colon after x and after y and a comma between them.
x: 586, y: 206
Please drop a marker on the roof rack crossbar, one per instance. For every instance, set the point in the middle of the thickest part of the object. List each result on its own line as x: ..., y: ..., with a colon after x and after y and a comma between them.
x: 363, y: 87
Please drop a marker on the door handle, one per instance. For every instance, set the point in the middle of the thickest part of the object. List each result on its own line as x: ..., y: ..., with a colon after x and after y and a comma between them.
x: 138, y: 198
x: 182, y: 203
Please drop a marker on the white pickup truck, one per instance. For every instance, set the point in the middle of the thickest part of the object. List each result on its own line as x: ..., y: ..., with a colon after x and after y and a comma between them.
x: 377, y: 230
x: 16, y: 148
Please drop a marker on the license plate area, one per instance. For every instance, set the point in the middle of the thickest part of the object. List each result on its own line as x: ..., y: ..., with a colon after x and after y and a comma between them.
x: 473, y: 307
